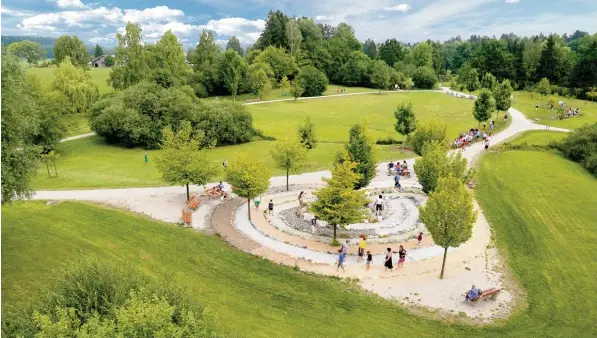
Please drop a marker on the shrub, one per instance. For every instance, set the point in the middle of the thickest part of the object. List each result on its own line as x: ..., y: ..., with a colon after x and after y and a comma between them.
x: 387, y: 141
x: 432, y: 131
x: 581, y: 146
x: 137, y: 116
x: 424, y: 78
x: 436, y: 164
x: 313, y: 80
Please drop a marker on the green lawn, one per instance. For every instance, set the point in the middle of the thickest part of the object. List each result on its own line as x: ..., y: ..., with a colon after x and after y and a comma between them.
x: 99, y: 76
x: 543, y: 212
x: 542, y: 219
x: 333, y: 117
x: 77, y: 124
x: 277, y: 94
x: 526, y: 104
x: 538, y: 137
x: 91, y: 163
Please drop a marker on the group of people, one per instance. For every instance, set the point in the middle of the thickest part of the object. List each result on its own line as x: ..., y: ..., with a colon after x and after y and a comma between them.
x: 572, y: 112
x: 219, y: 190
x: 398, y: 168
x: 465, y: 139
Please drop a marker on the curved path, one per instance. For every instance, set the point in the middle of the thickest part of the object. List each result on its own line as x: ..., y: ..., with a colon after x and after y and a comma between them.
x: 416, y: 284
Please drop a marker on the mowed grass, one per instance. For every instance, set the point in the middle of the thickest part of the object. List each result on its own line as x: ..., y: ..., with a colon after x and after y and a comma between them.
x: 538, y: 137
x: 543, y: 220
x: 76, y: 124
x: 91, y: 163
x: 333, y: 117
x: 523, y: 102
x: 277, y: 93
x: 99, y: 76
x: 543, y: 212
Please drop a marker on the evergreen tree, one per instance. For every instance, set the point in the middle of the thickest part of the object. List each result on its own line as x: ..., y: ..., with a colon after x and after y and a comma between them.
x: 234, y: 44
x: 391, y: 51
x: 370, y: 49
x: 98, y: 51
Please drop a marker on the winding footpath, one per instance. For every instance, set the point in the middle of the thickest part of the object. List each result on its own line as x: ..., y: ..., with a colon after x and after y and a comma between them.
x: 415, y: 285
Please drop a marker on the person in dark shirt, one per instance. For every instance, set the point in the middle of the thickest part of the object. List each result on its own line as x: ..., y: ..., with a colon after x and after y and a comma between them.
x: 369, y: 259
x: 270, y: 207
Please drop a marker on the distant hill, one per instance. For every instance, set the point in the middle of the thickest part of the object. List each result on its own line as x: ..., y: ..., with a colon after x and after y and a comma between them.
x: 48, y: 44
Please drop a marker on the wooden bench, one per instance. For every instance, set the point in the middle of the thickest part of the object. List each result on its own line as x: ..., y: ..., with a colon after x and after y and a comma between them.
x: 193, y: 203
x: 489, y: 293
x: 211, y: 193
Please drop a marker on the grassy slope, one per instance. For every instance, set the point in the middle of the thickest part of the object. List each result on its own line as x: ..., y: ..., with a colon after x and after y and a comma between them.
x: 538, y: 137
x: 544, y: 219
x: 543, y: 210
x: 251, y: 296
x: 91, y: 163
x: 526, y: 104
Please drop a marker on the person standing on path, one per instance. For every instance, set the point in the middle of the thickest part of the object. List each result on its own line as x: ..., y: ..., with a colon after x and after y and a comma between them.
x: 146, y: 158
x: 388, y: 263
x: 402, y: 257
x: 345, y: 247
x: 487, y: 143
x: 361, y: 248
x: 420, y: 238
x: 369, y: 259
x: 505, y: 117
x: 301, y: 200
x: 270, y: 207
x: 397, y: 181
x: 378, y: 205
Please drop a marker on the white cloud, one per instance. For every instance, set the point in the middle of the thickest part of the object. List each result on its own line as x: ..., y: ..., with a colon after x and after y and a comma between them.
x: 512, y: 1
x: 159, y: 13
x: 398, y: 8
x: 247, y: 31
x: 70, y: 4
x: 101, y: 40
x: 10, y: 12
x: 324, y: 18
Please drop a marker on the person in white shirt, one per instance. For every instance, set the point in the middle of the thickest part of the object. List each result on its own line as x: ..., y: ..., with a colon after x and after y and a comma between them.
x: 378, y: 204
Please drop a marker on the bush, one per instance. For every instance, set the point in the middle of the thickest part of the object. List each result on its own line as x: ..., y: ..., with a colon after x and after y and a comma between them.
x: 137, y: 116
x: 313, y: 81
x: 436, y: 164
x: 581, y: 146
x: 387, y: 141
x: 432, y: 131
x: 424, y: 78
x: 93, y: 300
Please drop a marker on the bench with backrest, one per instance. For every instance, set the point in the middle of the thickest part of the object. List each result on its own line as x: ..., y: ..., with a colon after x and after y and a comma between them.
x: 489, y: 293
x: 193, y: 202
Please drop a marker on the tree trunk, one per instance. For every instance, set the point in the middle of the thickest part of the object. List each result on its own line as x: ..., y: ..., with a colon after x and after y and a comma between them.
x: 441, y: 275
x: 403, y: 141
x: 55, y: 170
x: 249, y: 207
x: 188, y: 194
x: 335, y: 227
x: 286, y: 179
x: 48, y: 167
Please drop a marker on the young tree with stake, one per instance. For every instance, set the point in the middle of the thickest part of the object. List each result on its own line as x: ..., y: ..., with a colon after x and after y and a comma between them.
x: 503, y: 97
x: 449, y: 215
x: 289, y: 156
x: 484, y: 106
x: 405, y: 120
x: 249, y: 178
x: 181, y: 161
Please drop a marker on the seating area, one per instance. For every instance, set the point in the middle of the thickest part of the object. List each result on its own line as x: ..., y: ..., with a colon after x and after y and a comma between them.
x: 491, y: 293
x: 464, y: 139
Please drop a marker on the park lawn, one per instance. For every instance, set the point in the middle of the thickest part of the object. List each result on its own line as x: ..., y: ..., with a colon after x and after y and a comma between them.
x: 99, y: 76
x: 76, y: 124
x: 91, y: 163
x: 333, y: 117
x: 278, y: 94
x: 252, y: 297
x: 526, y: 104
x: 543, y: 210
x: 538, y: 137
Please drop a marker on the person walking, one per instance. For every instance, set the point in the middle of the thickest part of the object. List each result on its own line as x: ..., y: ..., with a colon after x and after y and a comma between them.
x: 388, y: 262
x: 270, y: 207
x: 341, y: 256
x: 420, y: 238
x: 397, y: 181
x: 402, y: 257
x: 301, y: 200
x: 369, y: 260
x: 505, y: 117
x: 345, y: 247
x: 146, y: 158
x: 487, y: 143
x: 361, y: 248
x: 378, y: 205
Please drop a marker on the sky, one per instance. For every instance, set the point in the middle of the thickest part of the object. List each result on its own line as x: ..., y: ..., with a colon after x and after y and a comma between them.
x: 98, y: 21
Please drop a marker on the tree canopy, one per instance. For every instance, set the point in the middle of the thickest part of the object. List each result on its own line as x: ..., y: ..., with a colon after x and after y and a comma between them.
x: 33, y: 52
x: 72, y: 47
x: 249, y: 178
x: 289, y: 155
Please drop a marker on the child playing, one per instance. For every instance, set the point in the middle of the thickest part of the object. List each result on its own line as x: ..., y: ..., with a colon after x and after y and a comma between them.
x: 369, y: 259
x: 420, y: 238
x: 270, y: 207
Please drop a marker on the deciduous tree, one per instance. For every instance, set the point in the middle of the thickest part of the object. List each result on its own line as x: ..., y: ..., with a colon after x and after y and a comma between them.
x: 306, y: 133
x: 405, y: 120
x: 181, y: 162
x: 338, y: 203
x: 76, y: 85
x: 361, y: 150
x: 31, y: 51
x: 289, y: 155
x: 436, y: 163
x: 432, y: 131
x: 484, y: 106
x: 544, y: 87
x: 249, y: 178
x: 234, y: 44
x: 503, y: 96
x: 380, y: 76
x: 72, y: 47
x: 285, y: 85
x: 448, y: 215
x: 233, y: 68
x: 297, y: 88
x: 293, y: 35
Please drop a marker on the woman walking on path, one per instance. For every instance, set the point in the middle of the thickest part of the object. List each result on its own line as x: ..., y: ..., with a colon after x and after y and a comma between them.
x: 388, y: 263
x: 301, y: 200
x: 402, y: 255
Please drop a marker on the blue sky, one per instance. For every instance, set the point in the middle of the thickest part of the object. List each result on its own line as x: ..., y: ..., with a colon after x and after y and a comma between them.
x: 97, y: 21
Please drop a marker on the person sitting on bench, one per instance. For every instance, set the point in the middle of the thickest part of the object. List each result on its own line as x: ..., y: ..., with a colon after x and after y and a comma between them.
x: 473, y: 294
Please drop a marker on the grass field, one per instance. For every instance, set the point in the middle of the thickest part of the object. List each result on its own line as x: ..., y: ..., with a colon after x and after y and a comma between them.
x: 91, y: 163
x: 333, y: 117
x: 77, y: 124
x: 538, y: 137
x: 543, y: 219
x: 99, y: 76
x: 543, y: 211
x: 526, y: 104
